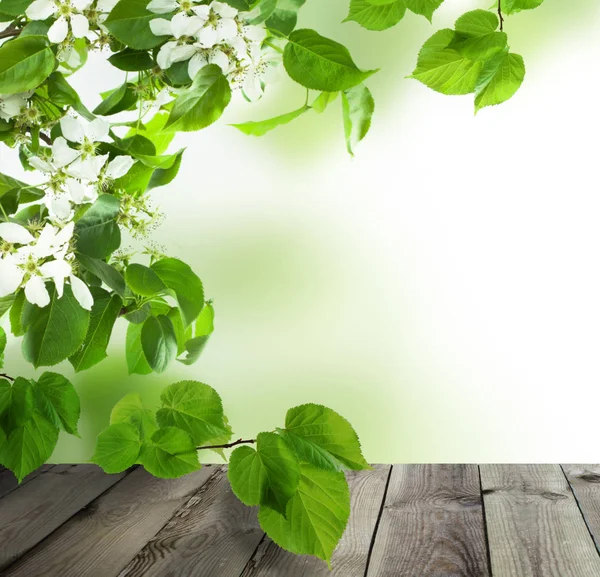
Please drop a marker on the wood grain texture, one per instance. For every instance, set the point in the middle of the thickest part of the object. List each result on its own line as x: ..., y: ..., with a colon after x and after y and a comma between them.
x: 367, y: 489
x: 212, y: 535
x: 585, y: 484
x: 101, y: 540
x: 534, y: 525
x: 8, y: 482
x: 432, y: 524
x: 34, y: 510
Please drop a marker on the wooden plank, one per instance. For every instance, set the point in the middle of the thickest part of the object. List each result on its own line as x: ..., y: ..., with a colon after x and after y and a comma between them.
x: 534, y: 525
x: 585, y: 484
x: 102, y: 539
x: 213, y: 534
x: 36, y: 509
x: 431, y: 525
x: 8, y: 482
x: 350, y: 558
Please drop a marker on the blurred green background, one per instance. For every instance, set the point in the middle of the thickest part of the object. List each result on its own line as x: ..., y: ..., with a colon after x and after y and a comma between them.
x: 439, y: 290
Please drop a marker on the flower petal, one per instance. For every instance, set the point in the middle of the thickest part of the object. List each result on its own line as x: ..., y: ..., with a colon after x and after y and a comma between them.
x: 58, y: 271
x: 162, y: 6
x: 197, y: 63
x: 227, y: 29
x: 203, y: 12
x: 81, y: 4
x: 165, y: 54
x: 36, y: 292
x: 183, y: 52
x: 79, y: 25
x: 72, y: 129
x: 64, y: 236
x: 62, y: 153
x: 119, y: 166
x: 40, y: 164
x: 252, y: 87
x: 107, y: 6
x: 40, y: 9
x: 207, y: 37
x: 161, y: 27
x: 60, y: 206
x: 255, y: 33
x: 220, y: 59
x: 224, y: 10
x: 58, y: 31
x: 76, y: 190
x: 97, y: 130
x: 82, y: 293
x: 15, y: 233
x: 11, y: 277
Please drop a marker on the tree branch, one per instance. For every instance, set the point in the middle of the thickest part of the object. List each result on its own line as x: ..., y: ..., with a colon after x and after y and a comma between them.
x: 46, y: 138
x: 230, y: 445
x: 9, y: 33
x: 3, y: 376
x: 500, y: 15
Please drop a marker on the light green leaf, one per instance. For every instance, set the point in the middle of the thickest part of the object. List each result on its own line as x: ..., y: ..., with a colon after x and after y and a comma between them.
x: 476, y: 36
x: 322, y: 101
x: 155, y: 131
x: 185, y: 284
x: 136, y: 360
x: 118, y: 448
x: 24, y: 64
x: 171, y: 453
x: 317, y: 515
x: 268, y: 476
x: 512, y: 6
x: 201, y: 104
x: 29, y: 445
x: 197, y: 409
x: 319, y: 63
x: 358, y: 107
x: 98, y: 234
x: 477, y: 23
x: 445, y: 70
x: 3, y: 342
x: 285, y: 16
x: 55, y: 332
x: 143, y: 281
x: 105, y: 312
x: 500, y: 79
x: 5, y: 304
x: 164, y: 176
x: 261, y: 127
x: 374, y: 17
x: 58, y: 401
x: 129, y: 22
x: 159, y: 342
x: 424, y: 7
x: 130, y: 410
x: 315, y: 429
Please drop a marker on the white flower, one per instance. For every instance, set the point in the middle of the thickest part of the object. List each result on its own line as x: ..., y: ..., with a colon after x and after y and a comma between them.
x: 12, y: 104
x: 38, y: 260
x: 167, y: 6
x: 261, y: 70
x: 83, y: 132
x: 68, y: 17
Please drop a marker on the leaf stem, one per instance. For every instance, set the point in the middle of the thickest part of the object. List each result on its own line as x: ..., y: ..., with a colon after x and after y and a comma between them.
x: 229, y: 445
x: 8, y: 378
x: 500, y: 15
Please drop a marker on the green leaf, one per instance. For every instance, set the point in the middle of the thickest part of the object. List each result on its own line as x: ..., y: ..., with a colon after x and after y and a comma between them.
x: 183, y: 334
x: 105, y: 312
x: 129, y: 22
x: 317, y: 432
x: 63, y: 94
x: 24, y: 64
x: 118, y: 448
x: 164, y: 176
x: 477, y: 23
x: 16, y: 315
x: 14, y: 7
x: 171, y: 453
x: 268, y: 476
x: 132, y: 60
x: 322, y: 101
x: 5, y: 396
x: 155, y: 132
x: 159, y: 342
x: 19, y: 404
x: 476, y: 37
x: 197, y: 409
x: 120, y: 99
x: 499, y: 80
x: 130, y: 410
x: 56, y: 331
x: 261, y: 128
x: 424, y: 7
x: 107, y: 273
x: 261, y: 11
x: 98, y: 234
x: 185, y: 284
x: 136, y: 360
x: 5, y: 304
x: 14, y: 192
x: 316, y: 516
x: 29, y: 445
x: 285, y: 16
x: 201, y: 104
x: 444, y: 69
x: 319, y: 63
x: 374, y: 17
x: 3, y: 342
x: 143, y: 281
x: 358, y: 107
x: 512, y: 6
x: 58, y: 401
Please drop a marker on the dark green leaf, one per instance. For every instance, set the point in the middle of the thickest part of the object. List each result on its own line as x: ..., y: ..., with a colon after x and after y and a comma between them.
x: 129, y: 22
x: 98, y: 234
x: 24, y: 64
x: 131, y: 60
x: 118, y: 448
x: 58, y: 401
x: 107, y: 273
x: 159, y: 342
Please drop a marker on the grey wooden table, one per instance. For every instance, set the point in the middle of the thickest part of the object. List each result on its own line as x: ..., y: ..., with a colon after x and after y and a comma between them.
x: 407, y: 520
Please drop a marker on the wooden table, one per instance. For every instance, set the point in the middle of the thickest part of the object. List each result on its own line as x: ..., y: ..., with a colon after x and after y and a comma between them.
x: 407, y: 520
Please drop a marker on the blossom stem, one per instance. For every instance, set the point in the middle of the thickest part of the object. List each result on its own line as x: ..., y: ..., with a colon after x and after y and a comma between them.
x: 229, y: 445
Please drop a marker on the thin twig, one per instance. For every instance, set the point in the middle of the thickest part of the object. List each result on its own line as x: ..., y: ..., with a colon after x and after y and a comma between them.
x: 45, y: 138
x: 230, y: 445
x: 3, y: 376
x: 9, y: 33
x: 500, y: 15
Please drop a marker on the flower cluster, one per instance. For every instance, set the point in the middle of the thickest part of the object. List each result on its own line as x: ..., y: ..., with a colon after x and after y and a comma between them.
x: 218, y: 34
x: 29, y: 261
x: 77, y: 173
x: 13, y: 105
